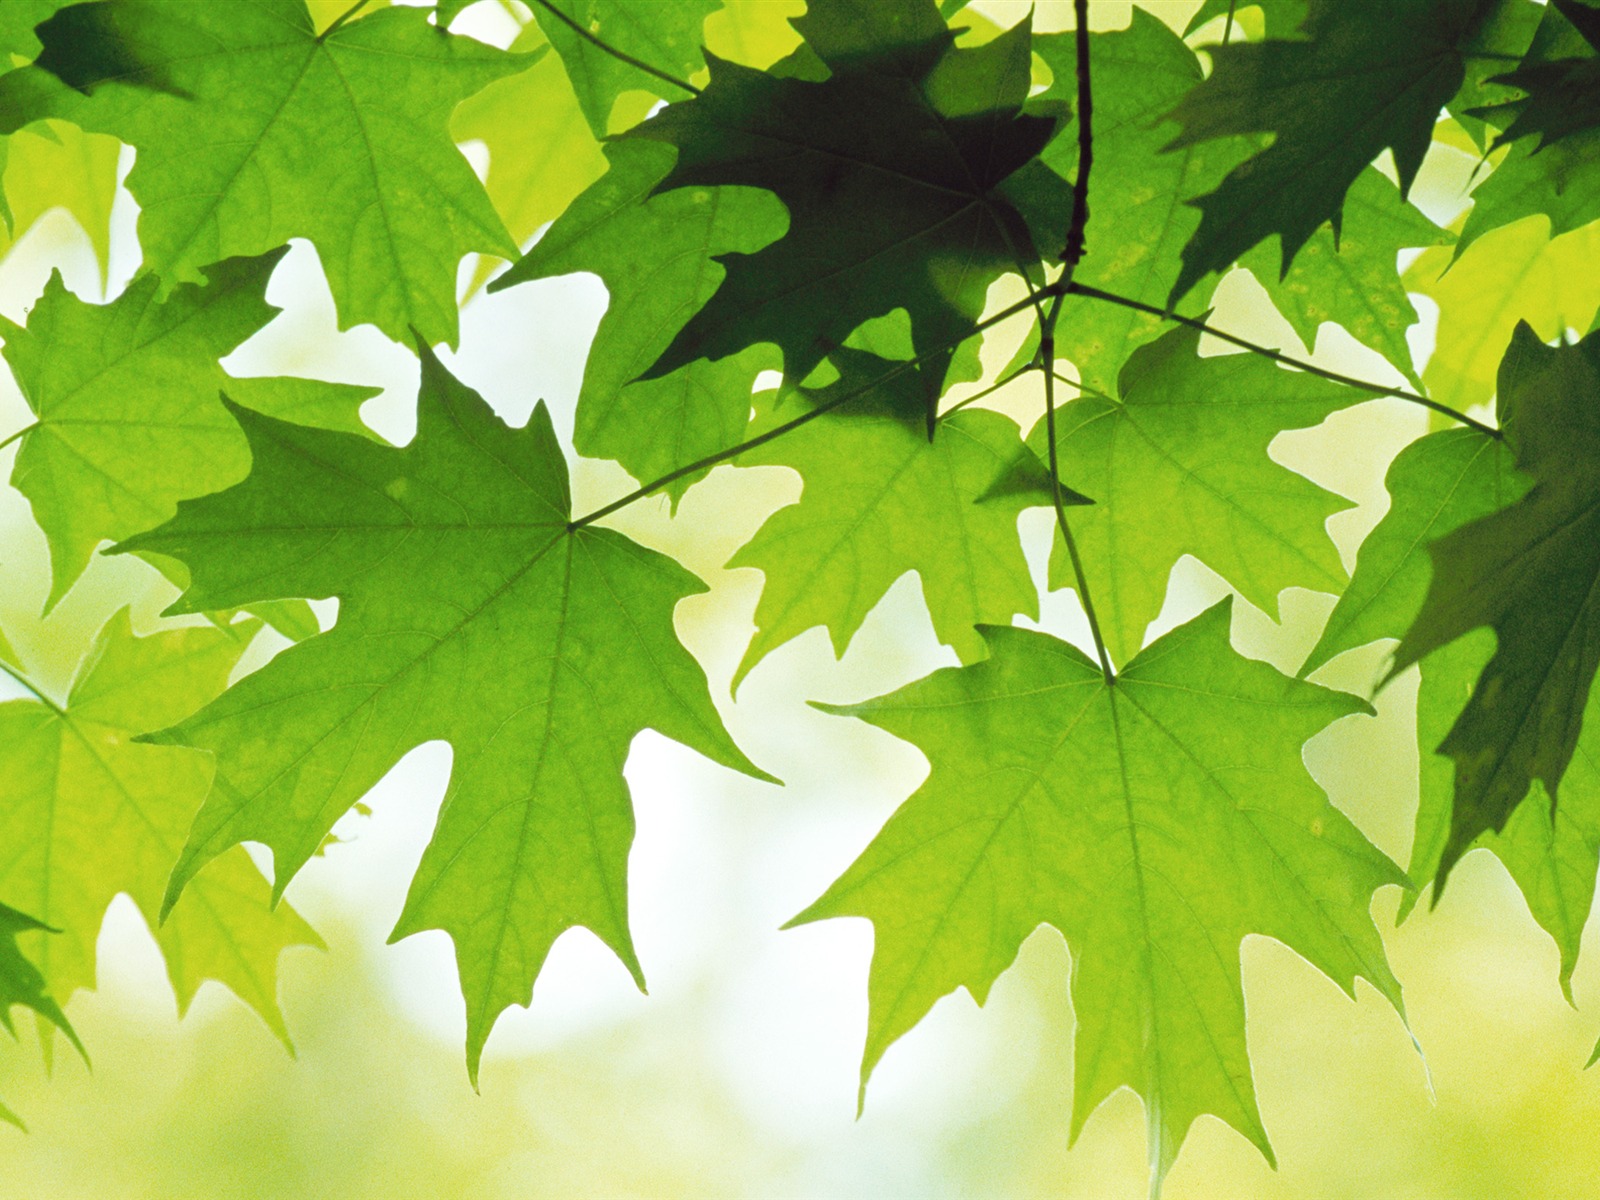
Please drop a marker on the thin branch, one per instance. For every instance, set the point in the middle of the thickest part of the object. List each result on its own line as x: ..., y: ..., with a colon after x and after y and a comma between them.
x: 711, y: 460
x: 339, y: 21
x: 32, y: 688
x: 18, y: 435
x: 1377, y: 389
x: 990, y: 390
x: 586, y: 35
x: 1227, y: 30
x: 1072, y: 255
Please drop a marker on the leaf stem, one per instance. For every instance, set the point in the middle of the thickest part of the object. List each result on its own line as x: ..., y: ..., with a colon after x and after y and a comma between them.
x: 594, y: 39
x: 1227, y: 30
x: 339, y: 21
x: 1377, y: 389
x: 1047, y: 349
x: 33, y: 688
x: 990, y: 390
x: 18, y: 435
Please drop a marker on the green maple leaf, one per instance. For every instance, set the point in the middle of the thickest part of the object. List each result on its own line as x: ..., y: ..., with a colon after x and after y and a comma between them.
x: 1436, y: 485
x: 1352, y: 280
x: 251, y: 129
x: 1179, y: 466
x: 1552, y: 851
x: 910, y: 209
x: 21, y: 983
x: 125, y: 395
x: 1156, y: 823
x: 1138, y: 231
x: 471, y: 612
x: 91, y: 814
x: 1510, y: 275
x: 1561, y: 181
x: 1530, y: 572
x: 667, y: 36
x: 1371, y: 75
x: 879, y: 500
x: 657, y: 255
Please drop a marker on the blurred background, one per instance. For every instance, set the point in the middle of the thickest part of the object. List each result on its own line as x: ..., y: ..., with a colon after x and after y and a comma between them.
x: 736, y: 1076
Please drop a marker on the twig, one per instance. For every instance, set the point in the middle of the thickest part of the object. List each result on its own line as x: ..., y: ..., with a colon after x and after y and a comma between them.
x: 1377, y: 389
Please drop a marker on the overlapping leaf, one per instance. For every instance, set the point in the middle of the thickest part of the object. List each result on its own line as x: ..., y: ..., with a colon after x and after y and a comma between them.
x: 1552, y: 851
x: 21, y: 983
x: 1561, y: 182
x: 541, y: 153
x: 1510, y: 275
x: 1560, y: 76
x: 657, y: 255
x: 908, y: 209
x: 1353, y: 280
x: 879, y: 500
x: 126, y: 400
x: 1179, y: 466
x: 471, y: 612
x: 1371, y: 75
x: 1531, y: 572
x: 1155, y: 822
x: 666, y: 36
x: 1436, y: 485
x: 89, y: 814
x: 251, y: 129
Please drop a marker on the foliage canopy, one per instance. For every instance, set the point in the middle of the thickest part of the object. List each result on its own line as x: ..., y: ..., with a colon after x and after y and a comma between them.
x: 861, y: 203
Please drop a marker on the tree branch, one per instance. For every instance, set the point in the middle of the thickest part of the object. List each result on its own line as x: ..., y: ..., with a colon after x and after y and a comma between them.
x: 1377, y: 389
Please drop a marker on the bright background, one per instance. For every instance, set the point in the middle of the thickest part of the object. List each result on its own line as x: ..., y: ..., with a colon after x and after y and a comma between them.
x: 737, y: 1075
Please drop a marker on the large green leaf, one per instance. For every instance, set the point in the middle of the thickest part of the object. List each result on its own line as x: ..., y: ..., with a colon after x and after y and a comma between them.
x: 656, y: 254
x: 666, y: 36
x: 1371, y: 76
x: 1353, y: 280
x: 469, y: 611
x: 21, y: 983
x: 1531, y: 572
x: 251, y: 130
x: 879, y: 500
x: 908, y: 209
x: 89, y: 815
x: 1179, y: 466
x: 1155, y: 822
x: 126, y: 400
x: 1140, y: 223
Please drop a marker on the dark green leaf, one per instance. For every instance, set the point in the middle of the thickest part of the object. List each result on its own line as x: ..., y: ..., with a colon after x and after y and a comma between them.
x: 1531, y: 572
x: 905, y: 210
x: 1372, y: 75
